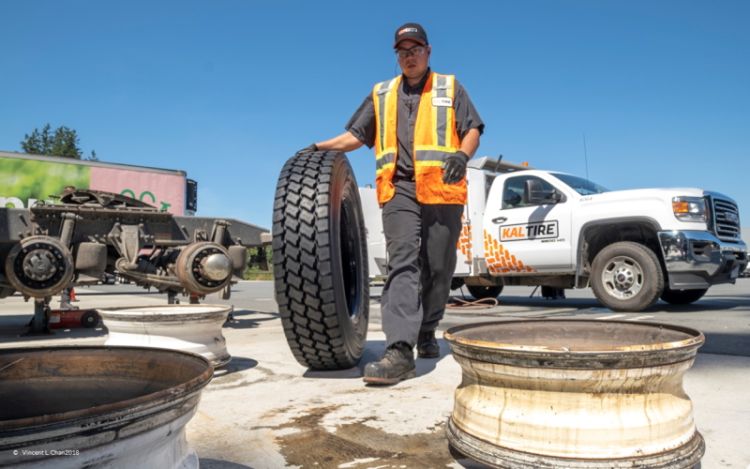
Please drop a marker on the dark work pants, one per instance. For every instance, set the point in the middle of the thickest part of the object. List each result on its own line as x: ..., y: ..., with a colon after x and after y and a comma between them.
x: 421, y: 244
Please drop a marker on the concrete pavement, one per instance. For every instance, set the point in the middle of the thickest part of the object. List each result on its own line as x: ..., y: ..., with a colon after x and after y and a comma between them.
x: 266, y: 411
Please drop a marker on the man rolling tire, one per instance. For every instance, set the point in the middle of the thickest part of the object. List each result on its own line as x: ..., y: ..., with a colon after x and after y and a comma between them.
x: 424, y: 129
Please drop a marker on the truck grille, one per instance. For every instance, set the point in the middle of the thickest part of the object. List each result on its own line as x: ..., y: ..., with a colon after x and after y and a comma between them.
x: 725, y: 218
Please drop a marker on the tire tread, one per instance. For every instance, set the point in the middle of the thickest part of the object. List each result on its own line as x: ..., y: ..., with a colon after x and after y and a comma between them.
x: 303, y: 273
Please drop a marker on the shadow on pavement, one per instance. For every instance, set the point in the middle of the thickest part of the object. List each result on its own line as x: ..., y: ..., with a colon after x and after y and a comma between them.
x: 239, y: 321
x: 84, y: 292
x: 503, y: 300
x: 237, y: 364
x: 210, y: 463
x: 726, y: 343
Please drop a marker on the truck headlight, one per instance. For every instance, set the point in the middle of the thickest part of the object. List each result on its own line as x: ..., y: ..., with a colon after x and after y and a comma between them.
x: 689, y: 208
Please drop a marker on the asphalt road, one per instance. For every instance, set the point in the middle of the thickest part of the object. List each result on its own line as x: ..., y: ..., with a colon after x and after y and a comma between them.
x: 271, y: 412
x: 723, y: 315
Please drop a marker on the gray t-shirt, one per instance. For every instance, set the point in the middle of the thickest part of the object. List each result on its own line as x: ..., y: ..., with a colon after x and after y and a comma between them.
x: 362, y: 123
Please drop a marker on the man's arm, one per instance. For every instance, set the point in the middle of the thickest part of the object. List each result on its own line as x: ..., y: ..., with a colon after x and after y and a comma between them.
x: 344, y: 142
x: 470, y: 142
x: 468, y: 123
x: 360, y: 130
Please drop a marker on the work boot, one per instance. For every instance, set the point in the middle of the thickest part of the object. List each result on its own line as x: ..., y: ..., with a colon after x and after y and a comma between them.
x: 397, y: 364
x: 427, y: 345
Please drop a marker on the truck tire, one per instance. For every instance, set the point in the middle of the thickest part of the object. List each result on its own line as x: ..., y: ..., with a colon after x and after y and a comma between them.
x: 320, y: 260
x: 682, y: 297
x: 627, y: 276
x: 481, y: 292
x: 456, y: 283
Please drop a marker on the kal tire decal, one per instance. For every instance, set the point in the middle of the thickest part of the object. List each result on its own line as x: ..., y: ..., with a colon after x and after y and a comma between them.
x: 530, y: 231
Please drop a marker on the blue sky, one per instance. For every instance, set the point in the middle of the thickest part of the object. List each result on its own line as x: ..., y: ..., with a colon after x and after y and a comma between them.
x: 228, y: 90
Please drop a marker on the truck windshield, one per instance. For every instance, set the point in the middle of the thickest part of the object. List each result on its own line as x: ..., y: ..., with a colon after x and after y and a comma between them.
x: 581, y: 185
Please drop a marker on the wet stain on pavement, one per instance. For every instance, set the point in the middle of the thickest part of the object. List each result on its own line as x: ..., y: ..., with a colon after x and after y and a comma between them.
x: 307, y: 443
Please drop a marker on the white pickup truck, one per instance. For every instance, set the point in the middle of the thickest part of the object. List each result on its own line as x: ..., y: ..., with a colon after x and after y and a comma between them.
x: 530, y: 227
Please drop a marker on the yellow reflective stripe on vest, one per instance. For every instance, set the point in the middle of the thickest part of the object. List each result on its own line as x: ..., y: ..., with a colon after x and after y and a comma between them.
x: 435, y: 126
x: 443, y: 91
x: 434, y: 144
x: 383, y: 100
x: 435, y: 139
x: 385, y: 159
x: 438, y: 156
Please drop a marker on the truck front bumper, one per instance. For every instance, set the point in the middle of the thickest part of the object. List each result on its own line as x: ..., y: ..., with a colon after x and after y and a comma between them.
x: 698, y: 259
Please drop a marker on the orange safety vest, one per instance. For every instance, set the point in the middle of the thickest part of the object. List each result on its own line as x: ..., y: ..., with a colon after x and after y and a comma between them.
x: 435, y: 139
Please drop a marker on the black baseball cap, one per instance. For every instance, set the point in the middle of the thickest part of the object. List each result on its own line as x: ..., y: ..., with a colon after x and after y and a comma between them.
x: 413, y: 31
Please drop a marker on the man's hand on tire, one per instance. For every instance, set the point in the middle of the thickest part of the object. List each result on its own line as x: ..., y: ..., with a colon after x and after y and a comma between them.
x: 310, y: 148
x: 454, y: 167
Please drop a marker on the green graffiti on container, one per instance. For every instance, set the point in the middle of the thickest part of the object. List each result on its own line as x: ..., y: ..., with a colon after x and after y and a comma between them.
x: 21, y: 180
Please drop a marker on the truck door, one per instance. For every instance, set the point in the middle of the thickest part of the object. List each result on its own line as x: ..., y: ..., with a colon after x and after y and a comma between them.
x: 523, y: 235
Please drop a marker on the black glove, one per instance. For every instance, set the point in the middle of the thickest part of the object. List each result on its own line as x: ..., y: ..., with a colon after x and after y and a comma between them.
x: 454, y: 167
x: 309, y: 148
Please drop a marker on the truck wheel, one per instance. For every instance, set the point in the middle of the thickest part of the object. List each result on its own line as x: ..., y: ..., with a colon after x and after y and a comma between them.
x: 320, y: 260
x: 456, y: 283
x: 90, y: 319
x: 682, y: 297
x: 627, y: 276
x: 481, y: 292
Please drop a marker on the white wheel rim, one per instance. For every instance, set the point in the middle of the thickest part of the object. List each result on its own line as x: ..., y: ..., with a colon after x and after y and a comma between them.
x: 622, y: 277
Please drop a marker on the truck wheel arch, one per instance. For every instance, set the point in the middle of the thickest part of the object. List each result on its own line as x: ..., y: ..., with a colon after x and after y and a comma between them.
x: 590, y: 241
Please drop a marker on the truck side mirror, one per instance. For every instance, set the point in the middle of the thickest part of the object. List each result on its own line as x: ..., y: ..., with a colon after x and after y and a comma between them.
x: 534, y: 193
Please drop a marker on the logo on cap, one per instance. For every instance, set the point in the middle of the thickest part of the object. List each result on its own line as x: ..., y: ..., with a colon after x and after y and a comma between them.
x: 408, y: 30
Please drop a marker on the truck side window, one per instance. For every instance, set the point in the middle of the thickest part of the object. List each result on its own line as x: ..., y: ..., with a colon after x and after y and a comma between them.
x: 513, y: 191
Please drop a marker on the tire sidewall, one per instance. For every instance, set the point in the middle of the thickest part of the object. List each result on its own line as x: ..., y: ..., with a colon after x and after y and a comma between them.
x: 344, y: 190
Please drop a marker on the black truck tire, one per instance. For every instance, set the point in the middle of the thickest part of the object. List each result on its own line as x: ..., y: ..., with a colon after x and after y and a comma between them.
x: 481, y: 292
x: 627, y: 276
x: 320, y: 260
x: 682, y: 297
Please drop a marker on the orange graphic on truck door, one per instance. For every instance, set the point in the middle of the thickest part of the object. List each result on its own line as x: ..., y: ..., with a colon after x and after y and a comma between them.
x: 464, y: 241
x: 499, y: 259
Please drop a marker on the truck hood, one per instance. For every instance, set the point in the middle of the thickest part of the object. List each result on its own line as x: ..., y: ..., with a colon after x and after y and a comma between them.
x: 654, y: 204
x: 645, y: 194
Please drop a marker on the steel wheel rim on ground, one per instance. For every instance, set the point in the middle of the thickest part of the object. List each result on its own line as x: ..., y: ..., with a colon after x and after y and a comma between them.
x: 189, y: 328
x: 115, y: 406
x: 574, y: 393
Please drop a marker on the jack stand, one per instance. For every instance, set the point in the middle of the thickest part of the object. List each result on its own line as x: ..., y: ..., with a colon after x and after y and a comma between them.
x: 226, y: 293
x: 172, y: 298
x: 38, y: 323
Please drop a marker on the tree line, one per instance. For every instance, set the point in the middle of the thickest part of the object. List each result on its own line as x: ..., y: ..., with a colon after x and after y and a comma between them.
x: 62, y: 141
